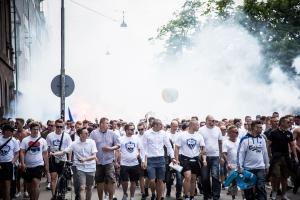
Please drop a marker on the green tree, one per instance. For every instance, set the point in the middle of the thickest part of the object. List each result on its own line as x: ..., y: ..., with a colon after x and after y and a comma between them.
x: 276, y: 23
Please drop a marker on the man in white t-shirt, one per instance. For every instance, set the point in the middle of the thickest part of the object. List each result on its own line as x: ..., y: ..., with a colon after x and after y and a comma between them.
x: 144, y: 181
x: 128, y: 160
x: 84, y: 151
x: 213, y: 142
x: 34, y: 159
x: 230, y: 147
x: 57, y: 141
x: 173, y: 134
x: 9, y: 153
x: 191, y: 146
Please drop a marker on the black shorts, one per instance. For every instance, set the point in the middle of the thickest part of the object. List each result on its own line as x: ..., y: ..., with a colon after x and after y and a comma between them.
x: 130, y: 173
x: 143, y: 172
x: 33, y: 172
x: 190, y: 164
x: 6, y: 171
x: 54, y: 166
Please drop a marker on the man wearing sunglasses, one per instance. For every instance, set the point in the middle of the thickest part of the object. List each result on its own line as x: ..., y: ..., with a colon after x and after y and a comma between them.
x: 57, y: 141
x: 128, y: 160
x: 144, y: 182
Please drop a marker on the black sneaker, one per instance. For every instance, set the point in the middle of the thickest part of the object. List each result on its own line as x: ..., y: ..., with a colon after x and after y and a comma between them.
x: 295, y: 189
x: 168, y: 194
x: 178, y: 196
x: 144, y: 197
x: 146, y: 192
x: 153, y: 197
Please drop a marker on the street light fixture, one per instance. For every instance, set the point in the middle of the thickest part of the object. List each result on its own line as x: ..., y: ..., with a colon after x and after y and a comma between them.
x: 123, y: 25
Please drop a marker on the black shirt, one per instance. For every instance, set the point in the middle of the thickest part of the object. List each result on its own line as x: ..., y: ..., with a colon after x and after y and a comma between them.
x: 280, y: 140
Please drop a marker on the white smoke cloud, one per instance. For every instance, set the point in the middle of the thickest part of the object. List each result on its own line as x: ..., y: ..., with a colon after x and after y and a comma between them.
x: 119, y: 74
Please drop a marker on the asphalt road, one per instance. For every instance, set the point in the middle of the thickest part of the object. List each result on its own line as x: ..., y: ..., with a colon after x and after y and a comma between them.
x: 47, y: 194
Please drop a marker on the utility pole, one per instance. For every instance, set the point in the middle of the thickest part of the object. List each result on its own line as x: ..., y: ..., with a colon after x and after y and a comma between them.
x: 62, y: 69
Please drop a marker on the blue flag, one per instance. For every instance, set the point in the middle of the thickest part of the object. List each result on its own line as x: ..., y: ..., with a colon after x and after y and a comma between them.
x: 70, y: 115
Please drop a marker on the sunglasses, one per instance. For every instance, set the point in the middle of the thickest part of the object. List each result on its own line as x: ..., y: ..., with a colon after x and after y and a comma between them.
x: 131, y: 129
x: 59, y: 126
x: 140, y: 129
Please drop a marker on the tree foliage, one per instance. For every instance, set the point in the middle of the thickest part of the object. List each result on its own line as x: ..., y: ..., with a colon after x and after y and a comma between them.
x: 276, y: 23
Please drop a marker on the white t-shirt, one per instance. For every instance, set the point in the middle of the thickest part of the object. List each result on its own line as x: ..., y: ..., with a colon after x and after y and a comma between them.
x: 242, y: 133
x: 83, y: 150
x: 34, y: 157
x: 211, y: 138
x: 173, y: 137
x: 129, y: 147
x: 231, y: 148
x: 189, y: 144
x: 8, y: 151
x: 53, y: 141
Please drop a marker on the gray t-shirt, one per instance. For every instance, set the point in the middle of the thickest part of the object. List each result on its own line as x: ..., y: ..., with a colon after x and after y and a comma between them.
x: 108, y: 138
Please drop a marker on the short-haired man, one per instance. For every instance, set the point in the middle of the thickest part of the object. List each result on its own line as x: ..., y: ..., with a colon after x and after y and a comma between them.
x: 57, y: 141
x: 107, y: 142
x: 9, y: 153
x: 191, y: 146
x: 84, y: 151
x: 253, y: 156
x: 153, y: 145
x: 34, y: 159
x: 173, y: 134
x: 50, y: 128
x: 230, y: 147
x: 144, y: 182
x: 128, y: 160
x: 281, y: 140
x: 213, y: 144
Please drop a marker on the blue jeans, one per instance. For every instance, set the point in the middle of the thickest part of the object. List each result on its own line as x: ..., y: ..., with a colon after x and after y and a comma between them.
x: 169, y: 180
x: 260, y: 190
x: 212, y: 169
x: 156, y: 168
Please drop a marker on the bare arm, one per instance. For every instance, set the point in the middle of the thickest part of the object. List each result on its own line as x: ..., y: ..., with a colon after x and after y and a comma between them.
x: 22, y: 157
x: 294, y: 150
x: 220, y: 142
x: 176, y: 152
x: 203, y: 154
x: 46, y: 160
x: 92, y: 157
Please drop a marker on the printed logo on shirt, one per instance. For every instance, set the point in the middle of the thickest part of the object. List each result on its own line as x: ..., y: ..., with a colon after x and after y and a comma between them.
x: 56, y: 142
x: 257, y: 148
x: 5, y: 150
x: 191, y: 143
x: 35, y: 148
x: 130, y: 146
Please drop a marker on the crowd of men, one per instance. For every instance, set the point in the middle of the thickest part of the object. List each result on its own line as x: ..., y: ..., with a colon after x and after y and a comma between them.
x: 114, y: 151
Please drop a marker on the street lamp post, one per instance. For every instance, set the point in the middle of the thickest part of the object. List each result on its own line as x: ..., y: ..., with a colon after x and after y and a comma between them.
x: 62, y: 67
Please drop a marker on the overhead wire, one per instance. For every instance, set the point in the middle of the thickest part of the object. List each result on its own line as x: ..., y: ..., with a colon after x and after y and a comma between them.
x: 93, y: 10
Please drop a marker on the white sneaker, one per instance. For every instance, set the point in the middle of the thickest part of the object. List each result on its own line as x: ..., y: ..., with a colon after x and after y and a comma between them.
x: 26, y: 195
x: 105, y: 197
x: 124, y: 197
x: 17, y: 195
x: 284, y: 197
x: 274, y: 195
x: 48, y: 186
